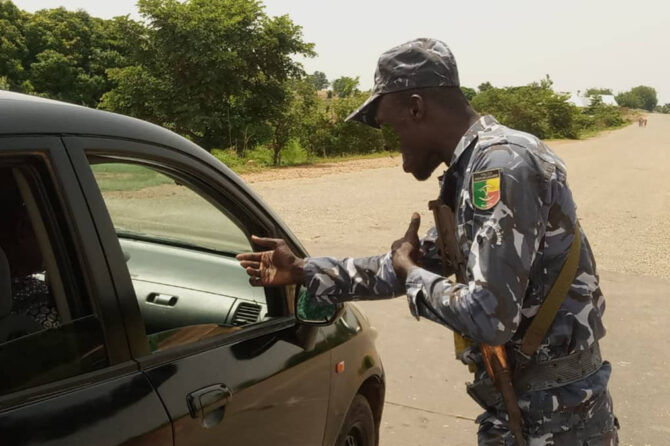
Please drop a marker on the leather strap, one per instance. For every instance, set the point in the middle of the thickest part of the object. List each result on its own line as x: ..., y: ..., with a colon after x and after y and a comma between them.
x: 558, y: 372
x: 547, y: 312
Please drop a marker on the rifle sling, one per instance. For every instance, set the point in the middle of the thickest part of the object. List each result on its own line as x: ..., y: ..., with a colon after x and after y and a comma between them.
x: 547, y: 312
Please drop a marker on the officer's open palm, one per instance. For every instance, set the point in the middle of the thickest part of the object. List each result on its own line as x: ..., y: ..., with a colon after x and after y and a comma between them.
x: 275, y: 267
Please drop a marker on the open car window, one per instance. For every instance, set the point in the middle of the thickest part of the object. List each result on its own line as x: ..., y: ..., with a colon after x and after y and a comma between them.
x: 147, y: 204
x: 180, y: 246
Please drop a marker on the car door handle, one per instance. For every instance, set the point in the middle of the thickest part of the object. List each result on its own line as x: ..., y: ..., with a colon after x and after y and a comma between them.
x: 208, y: 403
x: 162, y: 299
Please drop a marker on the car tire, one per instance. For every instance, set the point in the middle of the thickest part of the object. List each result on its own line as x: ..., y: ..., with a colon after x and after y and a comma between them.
x: 359, y: 425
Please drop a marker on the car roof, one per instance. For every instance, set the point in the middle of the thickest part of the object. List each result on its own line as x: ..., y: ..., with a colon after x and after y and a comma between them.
x: 24, y: 114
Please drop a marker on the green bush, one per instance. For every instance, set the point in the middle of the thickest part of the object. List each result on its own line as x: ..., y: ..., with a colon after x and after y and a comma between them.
x: 259, y: 156
x: 642, y: 97
x: 328, y: 135
x: 534, y: 108
x: 294, y: 154
x: 603, y: 116
x: 229, y: 157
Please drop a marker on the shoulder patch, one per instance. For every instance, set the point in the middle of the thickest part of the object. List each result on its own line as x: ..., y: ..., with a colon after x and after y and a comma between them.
x: 486, y: 189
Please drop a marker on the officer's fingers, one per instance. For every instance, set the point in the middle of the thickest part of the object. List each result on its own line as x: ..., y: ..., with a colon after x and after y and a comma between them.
x: 249, y: 256
x: 413, y: 229
x: 271, y: 243
x: 253, y: 272
x: 255, y: 281
x: 250, y: 264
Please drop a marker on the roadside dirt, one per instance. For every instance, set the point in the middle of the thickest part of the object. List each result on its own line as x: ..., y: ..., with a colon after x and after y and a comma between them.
x: 318, y: 170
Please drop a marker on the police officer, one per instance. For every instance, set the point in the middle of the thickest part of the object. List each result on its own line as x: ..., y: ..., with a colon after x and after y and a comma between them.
x: 516, y: 226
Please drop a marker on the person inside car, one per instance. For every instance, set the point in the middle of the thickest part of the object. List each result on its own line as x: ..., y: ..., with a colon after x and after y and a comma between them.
x: 31, y: 295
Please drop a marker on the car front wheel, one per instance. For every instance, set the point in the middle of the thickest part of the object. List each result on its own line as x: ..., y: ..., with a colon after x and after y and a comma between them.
x: 359, y: 425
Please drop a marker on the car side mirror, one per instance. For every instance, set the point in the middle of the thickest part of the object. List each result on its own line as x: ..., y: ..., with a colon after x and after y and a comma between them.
x: 309, y: 312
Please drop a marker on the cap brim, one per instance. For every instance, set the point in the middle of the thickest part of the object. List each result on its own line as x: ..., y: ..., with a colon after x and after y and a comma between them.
x: 366, y: 113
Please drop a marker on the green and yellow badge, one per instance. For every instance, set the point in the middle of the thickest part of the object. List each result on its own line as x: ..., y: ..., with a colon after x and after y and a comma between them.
x: 486, y: 189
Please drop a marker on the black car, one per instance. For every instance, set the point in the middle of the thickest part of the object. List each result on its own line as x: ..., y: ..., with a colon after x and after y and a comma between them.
x: 124, y: 316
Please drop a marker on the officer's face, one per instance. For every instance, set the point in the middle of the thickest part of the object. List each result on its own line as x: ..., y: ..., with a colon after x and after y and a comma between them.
x: 407, y: 121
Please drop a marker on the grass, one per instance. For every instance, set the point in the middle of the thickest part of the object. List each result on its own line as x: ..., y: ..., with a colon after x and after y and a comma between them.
x: 252, y: 165
x: 127, y: 177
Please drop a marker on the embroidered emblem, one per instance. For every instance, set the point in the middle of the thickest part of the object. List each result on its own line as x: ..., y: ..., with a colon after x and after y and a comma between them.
x: 486, y: 189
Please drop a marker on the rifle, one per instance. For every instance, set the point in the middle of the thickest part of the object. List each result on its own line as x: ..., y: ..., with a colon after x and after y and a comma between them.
x: 494, y: 356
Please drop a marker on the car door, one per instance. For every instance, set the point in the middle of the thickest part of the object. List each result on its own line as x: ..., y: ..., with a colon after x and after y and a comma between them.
x: 229, y: 361
x: 66, y: 372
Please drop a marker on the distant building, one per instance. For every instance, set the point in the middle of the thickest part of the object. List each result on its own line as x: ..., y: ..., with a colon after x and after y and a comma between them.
x: 608, y: 99
x: 585, y: 101
x: 579, y: 101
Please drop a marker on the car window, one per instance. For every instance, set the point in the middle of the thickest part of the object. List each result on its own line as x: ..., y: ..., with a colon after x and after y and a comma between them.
x: 148, y: 204
x: 180, y: 246
x: 48, y: 328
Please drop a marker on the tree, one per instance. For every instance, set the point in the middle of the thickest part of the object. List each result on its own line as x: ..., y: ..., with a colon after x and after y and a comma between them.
x: 485, y: 86
x: 290, y: 116
x: 534, y: 108
x: 212, y: 70
x: 62, y: 54
x: 469, y: 93
x: 598, y: 91
x: 638, y: 97
x: 345, y: 86
x: 327, y: 134
x: 602, y: 116
x: 319, y: 80
x: 13, y: 49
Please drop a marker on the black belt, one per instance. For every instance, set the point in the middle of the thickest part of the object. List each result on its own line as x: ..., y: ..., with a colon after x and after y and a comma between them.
x: 531, y: 376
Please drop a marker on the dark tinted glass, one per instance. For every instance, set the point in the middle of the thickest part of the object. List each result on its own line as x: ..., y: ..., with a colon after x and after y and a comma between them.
x: 48, y: 331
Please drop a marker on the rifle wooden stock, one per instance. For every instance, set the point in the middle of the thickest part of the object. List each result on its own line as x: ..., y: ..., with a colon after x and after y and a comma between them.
x: 494, y: 357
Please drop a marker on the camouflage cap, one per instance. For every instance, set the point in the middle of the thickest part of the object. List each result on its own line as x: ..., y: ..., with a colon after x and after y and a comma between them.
x: 419, y: 63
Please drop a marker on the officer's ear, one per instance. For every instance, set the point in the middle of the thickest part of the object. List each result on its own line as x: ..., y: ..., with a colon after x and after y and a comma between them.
x: 417, y: 107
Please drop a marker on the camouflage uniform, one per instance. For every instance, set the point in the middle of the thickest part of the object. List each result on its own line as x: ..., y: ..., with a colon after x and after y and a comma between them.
x: 514, y: 252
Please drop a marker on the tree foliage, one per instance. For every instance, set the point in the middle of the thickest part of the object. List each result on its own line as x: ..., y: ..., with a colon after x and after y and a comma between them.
x: 223, y: 74
x: 642, y: 97
x: 328, y: 135
x: 291, y: 117
x: 345, y: 86
x: 62, y: 54
x: 319, y: 80
x: 469, y: 93
x: 594, y: 91
x: 214, y: 70
x: 534, y: 108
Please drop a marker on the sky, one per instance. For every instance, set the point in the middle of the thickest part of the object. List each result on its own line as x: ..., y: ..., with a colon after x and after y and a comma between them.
x: 580, y: 44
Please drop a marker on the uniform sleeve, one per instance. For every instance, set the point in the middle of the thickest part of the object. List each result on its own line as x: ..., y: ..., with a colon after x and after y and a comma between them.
x: 504, y: 242
x: 331, y: 280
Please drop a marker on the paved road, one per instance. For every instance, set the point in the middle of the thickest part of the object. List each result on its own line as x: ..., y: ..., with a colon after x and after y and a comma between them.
x: 619, y: 183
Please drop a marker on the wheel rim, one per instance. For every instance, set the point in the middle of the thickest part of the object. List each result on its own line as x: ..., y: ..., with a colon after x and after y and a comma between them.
x: 354, y: 437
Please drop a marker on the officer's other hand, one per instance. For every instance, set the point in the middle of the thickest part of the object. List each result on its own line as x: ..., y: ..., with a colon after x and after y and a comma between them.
x: 405, y: 252
x: 275, y: 267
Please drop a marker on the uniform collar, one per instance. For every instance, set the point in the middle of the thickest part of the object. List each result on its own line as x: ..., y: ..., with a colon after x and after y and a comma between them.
x: 463, y: 148
x: 471, y: 135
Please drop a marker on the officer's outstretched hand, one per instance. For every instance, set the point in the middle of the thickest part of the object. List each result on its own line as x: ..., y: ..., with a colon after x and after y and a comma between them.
x: 405, y: 252
x: 275, y: 267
